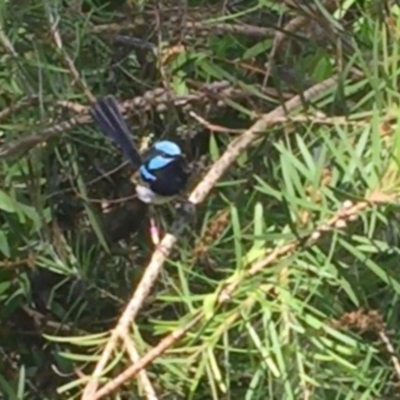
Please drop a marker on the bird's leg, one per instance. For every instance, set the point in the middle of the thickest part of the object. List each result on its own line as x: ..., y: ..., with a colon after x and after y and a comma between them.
x: 182, y: 207
x: 154, y: 231
x: 155, y: 234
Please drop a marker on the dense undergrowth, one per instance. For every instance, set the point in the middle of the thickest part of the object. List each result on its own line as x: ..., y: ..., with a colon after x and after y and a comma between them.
x: 286, y: 279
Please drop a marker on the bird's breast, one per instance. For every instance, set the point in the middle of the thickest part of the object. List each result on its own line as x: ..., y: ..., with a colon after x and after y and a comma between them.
x: 166, y: 176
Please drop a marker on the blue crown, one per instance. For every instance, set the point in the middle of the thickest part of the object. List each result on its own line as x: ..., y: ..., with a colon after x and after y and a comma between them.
x: 169, y: 148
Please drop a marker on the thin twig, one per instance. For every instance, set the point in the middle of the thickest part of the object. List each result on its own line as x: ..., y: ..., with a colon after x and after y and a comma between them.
x: 65, y: 57
x: 392, y: 352
x: 8, y: 46
x: 26, y: 143
x: 213, y: 127
x: 312, y: 119
x: 242, y: 29
x: 280, y: 36
x: 13, y: 108
x: 147, y: 387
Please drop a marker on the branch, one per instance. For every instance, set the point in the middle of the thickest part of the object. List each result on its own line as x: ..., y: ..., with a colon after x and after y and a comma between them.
x: 235, y: 148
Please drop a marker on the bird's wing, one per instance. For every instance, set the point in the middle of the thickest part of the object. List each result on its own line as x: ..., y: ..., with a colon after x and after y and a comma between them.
x: 111, y: 122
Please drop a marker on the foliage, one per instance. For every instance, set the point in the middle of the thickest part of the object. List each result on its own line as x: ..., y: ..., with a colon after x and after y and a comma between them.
x: 313, y: 313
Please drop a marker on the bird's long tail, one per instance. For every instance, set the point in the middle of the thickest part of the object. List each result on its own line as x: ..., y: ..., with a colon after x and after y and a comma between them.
x: 109, y: 119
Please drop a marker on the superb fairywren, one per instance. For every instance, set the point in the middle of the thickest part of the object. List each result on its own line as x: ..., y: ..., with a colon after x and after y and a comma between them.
x: 163, y: 169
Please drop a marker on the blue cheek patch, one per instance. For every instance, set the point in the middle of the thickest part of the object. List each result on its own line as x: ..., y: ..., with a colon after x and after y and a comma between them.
x: 146, y: 175
x: 158, y: 162
x: 168, y: 148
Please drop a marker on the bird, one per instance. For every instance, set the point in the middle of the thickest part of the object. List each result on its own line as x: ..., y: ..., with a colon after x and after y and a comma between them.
x: 163, y: 170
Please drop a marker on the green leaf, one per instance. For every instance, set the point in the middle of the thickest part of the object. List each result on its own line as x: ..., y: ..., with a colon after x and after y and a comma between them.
x: 7, y: 203
x: 4, y: 246
x: 4, y: 286
x: 260, y: 47
x: 214, y: 149
x: 7, y: 389
x: 209, y: 304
